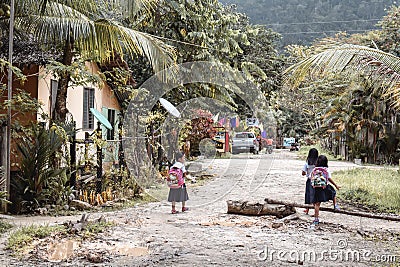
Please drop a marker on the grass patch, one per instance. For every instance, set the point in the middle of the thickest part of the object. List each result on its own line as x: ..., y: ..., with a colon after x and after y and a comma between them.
x: 375, y: 188
x: 23, y: 237
x: 94, y: 228
x: 4, y: 226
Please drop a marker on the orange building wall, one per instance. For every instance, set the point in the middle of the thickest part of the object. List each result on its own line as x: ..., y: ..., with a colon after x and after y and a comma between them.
x: 30, y: 85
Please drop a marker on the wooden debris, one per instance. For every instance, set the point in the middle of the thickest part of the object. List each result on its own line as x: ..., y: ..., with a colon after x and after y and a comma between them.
x: 94, y: 257
x: 353, y: 213
x: 289, y: 218
x: 259, y: 209
x: 80, y: 205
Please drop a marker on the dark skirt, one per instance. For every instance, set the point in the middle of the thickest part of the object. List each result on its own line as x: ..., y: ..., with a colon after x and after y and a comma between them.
x: 309, y: 192
x: 320, y: 195
x: 178, y: 194
x: 330, y: 192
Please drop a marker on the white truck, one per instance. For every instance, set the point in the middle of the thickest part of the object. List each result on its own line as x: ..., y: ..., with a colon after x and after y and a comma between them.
x: 244, y: 142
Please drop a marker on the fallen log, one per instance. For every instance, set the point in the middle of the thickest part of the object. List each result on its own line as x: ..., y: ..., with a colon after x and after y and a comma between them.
x: 258, y: 209
x: 348, y: 212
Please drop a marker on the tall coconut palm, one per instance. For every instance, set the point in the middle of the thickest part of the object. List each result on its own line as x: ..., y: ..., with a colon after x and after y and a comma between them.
x: 91, y: 30
x: 383, y: 68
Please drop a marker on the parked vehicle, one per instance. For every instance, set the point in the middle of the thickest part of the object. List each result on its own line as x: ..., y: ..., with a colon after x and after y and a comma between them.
x: 245, y: 142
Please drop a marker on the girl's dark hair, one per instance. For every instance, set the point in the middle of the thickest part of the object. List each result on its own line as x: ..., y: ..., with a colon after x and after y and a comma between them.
x: 322, y: 161
x: 178, y: 155
x: 312, y: 156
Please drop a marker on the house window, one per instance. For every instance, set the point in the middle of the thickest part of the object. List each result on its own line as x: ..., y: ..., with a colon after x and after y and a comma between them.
x: 88, y: 103
x: 53, y: 96
x: 111, y: 119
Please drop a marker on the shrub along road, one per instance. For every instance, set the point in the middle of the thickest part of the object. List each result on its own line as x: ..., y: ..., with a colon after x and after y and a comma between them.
x: 149, y: 235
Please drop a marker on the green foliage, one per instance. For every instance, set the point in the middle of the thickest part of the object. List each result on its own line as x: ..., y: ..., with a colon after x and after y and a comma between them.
x: 79, y: 72
x: 16, y: 71
x: 303, y: 152
x: 376, y: 188
x: 22, y: 103
x: 197, y: 129
x: 3, y: 194
x: 23, y: 237
x: 40, y: 181
x: 94, y: 228
x: 389, y: 34
x: 353, y: 89
x: 208, y: 31
x: 121, y: 182
x: 88, y: 30
x: 4, y: 226
x: 207, y: 148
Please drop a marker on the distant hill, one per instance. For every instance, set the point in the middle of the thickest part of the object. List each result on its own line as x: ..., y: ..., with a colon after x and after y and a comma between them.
x: 301, y: 21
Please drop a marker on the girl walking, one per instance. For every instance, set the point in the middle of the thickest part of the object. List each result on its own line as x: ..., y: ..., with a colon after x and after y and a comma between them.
x: 307, y: 169
x: 321, y: 179
x: 179, y: 193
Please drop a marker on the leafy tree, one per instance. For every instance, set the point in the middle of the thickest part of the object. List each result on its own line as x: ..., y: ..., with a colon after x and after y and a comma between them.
x: 87, y: 29
x: 208, y: 31
x: 197, y: 129
x: 361, y: 108
x: 389, y: 35
x: 201, y: 31
x: 381, y: 66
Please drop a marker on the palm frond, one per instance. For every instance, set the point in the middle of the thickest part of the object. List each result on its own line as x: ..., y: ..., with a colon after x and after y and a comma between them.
x: 339, y: 58
x: 134, y: 7
x: 94, y: 35
x: 383, y: 68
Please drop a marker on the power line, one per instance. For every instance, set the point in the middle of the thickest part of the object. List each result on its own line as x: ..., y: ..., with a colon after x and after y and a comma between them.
x: 284, y: 33
x: 323, y: 22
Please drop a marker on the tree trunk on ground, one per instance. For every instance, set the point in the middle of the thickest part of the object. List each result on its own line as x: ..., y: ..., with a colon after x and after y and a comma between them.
x: 353, y: 213
x: 258, y: 209
x: 61, y: 99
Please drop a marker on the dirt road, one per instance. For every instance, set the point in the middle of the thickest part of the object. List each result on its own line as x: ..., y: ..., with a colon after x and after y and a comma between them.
x: 149, y: 235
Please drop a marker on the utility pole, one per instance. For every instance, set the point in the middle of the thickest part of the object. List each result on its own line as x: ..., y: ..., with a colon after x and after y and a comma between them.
x: 9, y: 89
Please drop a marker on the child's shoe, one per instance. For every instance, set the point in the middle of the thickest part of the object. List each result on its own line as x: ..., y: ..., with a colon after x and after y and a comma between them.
x: 184, y: 209
x: 316, y: 221
x: 336, y: 207
x: 174, y: 211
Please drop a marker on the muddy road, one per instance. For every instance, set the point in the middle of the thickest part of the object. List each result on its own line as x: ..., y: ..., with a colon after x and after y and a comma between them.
x: 149, y: 235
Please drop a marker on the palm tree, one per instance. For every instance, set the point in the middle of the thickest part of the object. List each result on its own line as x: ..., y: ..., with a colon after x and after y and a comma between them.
x: 383, y: 68
x: 367, y: 113
x: 86, y: 28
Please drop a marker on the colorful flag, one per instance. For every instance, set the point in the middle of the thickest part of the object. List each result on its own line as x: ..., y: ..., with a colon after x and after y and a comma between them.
x: 264, y: 134
x: 233, y: 122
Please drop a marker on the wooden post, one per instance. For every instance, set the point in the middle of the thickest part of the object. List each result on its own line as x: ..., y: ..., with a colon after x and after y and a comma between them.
x: 99, y: 161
